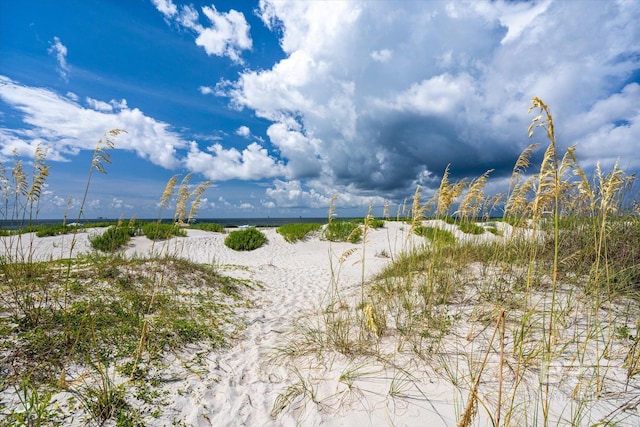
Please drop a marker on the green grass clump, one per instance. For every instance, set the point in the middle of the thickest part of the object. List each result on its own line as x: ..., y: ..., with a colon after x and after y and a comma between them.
x: 297, y: 231
x: 245, y: 240
x: 343, y: 231
x: 161, y: 231
x: 371, y: 222
x: 435, y: 235
x: 470, y: 227
x: 208, y: 226
x: 113, y: 239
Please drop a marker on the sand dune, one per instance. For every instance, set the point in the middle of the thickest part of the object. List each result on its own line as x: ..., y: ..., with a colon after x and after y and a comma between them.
x: 238, y: 386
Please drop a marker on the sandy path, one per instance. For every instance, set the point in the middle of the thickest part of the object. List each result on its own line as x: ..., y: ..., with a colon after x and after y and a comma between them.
x: 295, y: 279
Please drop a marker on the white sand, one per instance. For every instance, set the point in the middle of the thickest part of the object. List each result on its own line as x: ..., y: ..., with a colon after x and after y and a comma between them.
x: 238, y: 386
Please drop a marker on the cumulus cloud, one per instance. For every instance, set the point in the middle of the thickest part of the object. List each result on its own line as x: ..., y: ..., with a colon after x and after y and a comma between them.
x: 60, y: 52
x: 99, y: 105
x: 206, y: 90
x: 120, y: 204
x: 243, y: 131
x: 220, y: 164
x: 227, y: 33
x: 376, y: 97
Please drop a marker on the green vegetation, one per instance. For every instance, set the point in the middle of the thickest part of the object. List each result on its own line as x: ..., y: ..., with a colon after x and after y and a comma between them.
x: 373, y: 223
x: 101, y: 312
x: 162, y: 231
x: 114, y: 238
x: 208, y: 226
x: 470, y: 227
x: 343, y: 231
x: 297, y: 231
x: 247, y: 239
x: 435, y: 235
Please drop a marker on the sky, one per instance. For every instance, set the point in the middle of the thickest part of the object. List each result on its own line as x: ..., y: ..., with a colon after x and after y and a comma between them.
x: 282, y: 105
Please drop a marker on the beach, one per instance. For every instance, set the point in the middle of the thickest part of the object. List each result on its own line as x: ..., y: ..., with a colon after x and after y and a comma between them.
x: 292, y: 284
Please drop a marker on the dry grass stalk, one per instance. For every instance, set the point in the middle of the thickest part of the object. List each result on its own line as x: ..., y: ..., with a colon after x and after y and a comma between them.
x: 197, y: 199
x: 474, y: 200
x: 167, y: 193
x: 447, y: 193
x: 181, y: 201
x: 516, y: 198
x: 40, y: 174
x: 332, y: 207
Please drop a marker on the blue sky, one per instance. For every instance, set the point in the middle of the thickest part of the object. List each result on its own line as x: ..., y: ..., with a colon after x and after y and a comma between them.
x: 284, y: 104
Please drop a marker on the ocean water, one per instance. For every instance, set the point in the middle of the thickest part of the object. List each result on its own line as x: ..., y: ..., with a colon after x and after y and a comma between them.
x: 226, y: 222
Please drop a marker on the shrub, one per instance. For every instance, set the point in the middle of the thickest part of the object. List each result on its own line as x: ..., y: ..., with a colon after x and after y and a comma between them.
x: 436, y: 235
x: 294, y: 232
x: 372, y: 222
x: 470, y: 227
x: 343, y: 231
x: 160, y: 231
x: 247, y: 239
x: 113, y: 239
x: 208, y: 226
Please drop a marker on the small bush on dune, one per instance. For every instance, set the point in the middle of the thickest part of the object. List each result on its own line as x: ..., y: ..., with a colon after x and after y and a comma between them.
x: 294, y: 232
x: 343, y: 231
x: 371, y: 222
x: 159, y: 231
x: 435, y: 235
x: 245, y: 240
x: 470, y: 227
x: 208, y: 226
x: 113, y: 239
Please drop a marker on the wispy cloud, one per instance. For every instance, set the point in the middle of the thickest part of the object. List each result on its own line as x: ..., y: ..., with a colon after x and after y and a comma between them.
x: 66, y: 127
x: 60, y: 52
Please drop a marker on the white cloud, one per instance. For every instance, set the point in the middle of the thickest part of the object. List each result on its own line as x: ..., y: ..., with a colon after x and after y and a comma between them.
x: 517, y: 17
x: 120, y: 204
x: 60, y: 52
x: 290, y: 194
x: 220, y: 164
x: 99, y: 105
x: 166, y: 7
x: 441, y: 94
x: 206, y: 90
x: 455, y: 88
x: 227, y: 35
x: 301, y: 152
x: 119, y: 105
x: 66, y: 127
x: 243, y: 131
x: 383, y: 55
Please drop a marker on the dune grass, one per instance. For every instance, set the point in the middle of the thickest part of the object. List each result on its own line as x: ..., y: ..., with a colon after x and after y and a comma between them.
x: 298, y: 231
x: 538, y: 325
x: 208, y: 226
x: 343, y: 231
